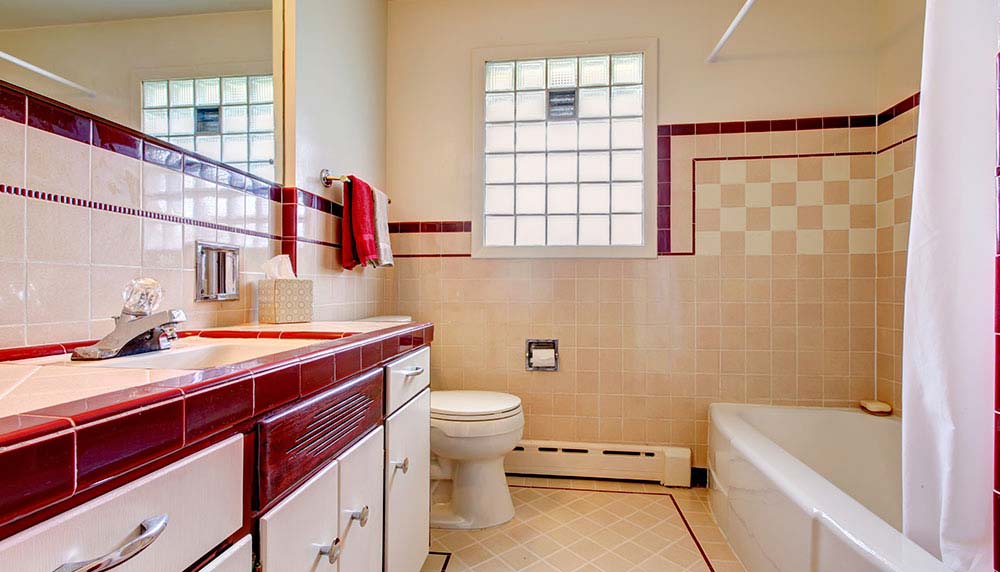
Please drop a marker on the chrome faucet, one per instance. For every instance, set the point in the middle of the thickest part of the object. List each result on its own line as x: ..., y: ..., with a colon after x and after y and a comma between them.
x: 137, y: 330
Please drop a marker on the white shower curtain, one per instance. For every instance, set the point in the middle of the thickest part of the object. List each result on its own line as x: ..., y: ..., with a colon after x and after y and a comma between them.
x: 948, y: 342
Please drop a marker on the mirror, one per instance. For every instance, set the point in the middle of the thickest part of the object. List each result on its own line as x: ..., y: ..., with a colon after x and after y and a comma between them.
x: 217, y: 271
x: 195, y: 73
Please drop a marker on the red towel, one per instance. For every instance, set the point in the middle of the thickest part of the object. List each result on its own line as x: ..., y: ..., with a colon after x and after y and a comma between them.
x: 357, y: 245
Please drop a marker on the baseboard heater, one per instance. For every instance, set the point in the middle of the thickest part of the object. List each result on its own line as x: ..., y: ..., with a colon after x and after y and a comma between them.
x: 670, y: 466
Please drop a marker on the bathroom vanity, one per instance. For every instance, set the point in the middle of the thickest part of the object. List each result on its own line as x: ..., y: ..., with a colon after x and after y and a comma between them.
x: 310, y: 452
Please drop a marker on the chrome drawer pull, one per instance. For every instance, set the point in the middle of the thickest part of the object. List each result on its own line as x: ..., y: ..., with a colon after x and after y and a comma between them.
x: 361, y: 516
x: 403, y: 465
x: 332, y: 552
x: 149, y: 531
x: 417, y: 370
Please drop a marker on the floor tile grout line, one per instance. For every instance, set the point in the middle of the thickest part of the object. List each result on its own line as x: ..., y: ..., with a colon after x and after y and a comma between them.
x: 673, y: 499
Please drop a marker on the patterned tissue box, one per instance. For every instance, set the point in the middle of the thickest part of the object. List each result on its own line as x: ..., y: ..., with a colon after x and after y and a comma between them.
x: 285, y: 300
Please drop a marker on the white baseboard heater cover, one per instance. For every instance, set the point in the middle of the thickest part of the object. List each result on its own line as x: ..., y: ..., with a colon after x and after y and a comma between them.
x: 670, y: 466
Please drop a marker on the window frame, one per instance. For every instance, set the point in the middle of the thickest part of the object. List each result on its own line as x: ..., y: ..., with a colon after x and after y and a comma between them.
x: 649, y: 48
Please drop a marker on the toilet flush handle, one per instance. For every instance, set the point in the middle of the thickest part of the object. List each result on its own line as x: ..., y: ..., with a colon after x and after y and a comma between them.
x: 417, y: 370
x: 403, y: 465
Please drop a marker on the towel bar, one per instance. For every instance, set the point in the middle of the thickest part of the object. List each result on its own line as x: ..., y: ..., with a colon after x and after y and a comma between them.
x: 329, y: 180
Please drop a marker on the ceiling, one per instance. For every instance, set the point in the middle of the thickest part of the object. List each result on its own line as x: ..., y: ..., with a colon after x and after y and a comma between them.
x: 16, y: 14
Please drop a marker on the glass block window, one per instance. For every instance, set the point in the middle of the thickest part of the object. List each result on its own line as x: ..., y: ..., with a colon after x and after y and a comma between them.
x: 563, y: 151
x: 229, y: 119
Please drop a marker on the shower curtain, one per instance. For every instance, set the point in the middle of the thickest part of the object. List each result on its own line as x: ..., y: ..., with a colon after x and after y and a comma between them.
x: 948, y: 339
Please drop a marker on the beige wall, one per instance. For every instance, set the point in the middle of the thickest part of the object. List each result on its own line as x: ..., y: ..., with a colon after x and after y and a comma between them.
x: 782, y: 302
x: 335, y: 96
x: 113, y: 57
x: 819, y: 53
x: 901, y: 41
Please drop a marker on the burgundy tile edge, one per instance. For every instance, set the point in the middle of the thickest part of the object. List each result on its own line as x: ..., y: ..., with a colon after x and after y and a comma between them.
x: 792, y: 124
x: 96, y: 205
x: 25, y: 106
x: 13, y: 105
x: 430, y: 226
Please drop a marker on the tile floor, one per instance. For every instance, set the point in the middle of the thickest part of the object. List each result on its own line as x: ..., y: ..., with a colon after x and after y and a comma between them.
x: 569, y: 525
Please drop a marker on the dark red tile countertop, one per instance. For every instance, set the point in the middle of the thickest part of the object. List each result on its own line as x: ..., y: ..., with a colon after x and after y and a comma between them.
x: 52, y: 454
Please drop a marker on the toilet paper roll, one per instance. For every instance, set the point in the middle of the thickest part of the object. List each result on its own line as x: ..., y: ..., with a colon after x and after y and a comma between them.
x: 542, y: 357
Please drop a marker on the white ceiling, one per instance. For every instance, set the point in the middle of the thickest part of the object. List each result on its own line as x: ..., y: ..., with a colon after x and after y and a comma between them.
x: 16, y: 14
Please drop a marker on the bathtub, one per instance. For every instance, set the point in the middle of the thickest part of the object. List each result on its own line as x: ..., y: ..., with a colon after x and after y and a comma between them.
x: 804, y: 489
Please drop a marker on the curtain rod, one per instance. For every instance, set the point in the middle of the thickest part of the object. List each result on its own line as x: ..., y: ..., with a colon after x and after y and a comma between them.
x: 46, y: 73
x: 729, y: 31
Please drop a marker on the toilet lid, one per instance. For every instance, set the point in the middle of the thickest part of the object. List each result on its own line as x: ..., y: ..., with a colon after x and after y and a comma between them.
x: 472, y: 404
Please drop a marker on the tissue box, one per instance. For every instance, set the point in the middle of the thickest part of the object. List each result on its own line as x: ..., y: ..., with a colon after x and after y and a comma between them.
x: 284, y: 300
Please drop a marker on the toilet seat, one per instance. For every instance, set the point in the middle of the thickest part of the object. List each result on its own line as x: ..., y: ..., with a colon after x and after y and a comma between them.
x: 473, y: 406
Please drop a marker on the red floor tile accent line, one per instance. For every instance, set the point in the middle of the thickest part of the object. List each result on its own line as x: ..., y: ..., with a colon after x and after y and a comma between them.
x: 107, y: 207
x: 697, y: 543
x: 40, y: 112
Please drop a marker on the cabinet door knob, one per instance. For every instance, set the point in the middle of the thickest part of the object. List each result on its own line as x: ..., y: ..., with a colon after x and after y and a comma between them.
x: 414, y: 372
x: 149, y: 530
x: 361, y: 516
x: 403, y: 465
x: 332, y: 552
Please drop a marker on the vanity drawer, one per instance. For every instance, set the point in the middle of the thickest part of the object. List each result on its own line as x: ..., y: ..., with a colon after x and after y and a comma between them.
x: 238, y: 558
x: 406, y: 377
x: 201, y: 496
x: 295, y: 441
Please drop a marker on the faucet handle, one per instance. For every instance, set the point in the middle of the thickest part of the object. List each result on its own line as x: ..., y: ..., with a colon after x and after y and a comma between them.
x: 142, y: 297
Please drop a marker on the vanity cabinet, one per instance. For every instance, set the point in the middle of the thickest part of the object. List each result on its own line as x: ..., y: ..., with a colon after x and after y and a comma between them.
x: 407, y: 485
x: 332, y: 522
x: 181, y: 512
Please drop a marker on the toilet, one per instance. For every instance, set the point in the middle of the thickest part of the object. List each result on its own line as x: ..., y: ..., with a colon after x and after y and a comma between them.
x: 471, y: 432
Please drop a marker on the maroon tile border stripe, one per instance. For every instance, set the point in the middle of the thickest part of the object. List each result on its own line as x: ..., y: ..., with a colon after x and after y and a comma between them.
x: 704, y: 555
x: 96, y: 205
x: 430, y: 226
x: 24, y: 106
x: 665, y: 132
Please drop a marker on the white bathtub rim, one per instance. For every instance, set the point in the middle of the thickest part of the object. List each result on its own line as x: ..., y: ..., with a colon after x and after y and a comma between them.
x: 817, y: 496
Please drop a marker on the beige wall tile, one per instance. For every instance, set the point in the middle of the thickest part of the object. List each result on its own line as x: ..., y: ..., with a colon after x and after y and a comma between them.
x: 57, y: 164
x: 115, y: 179
x: 12, y: 153
x: 57, y: 233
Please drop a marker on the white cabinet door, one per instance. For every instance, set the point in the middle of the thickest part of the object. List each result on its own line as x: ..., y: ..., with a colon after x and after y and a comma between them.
x: 294, y: 534
x: 407, y: 485
x: 361, y: 490
x: 238, y: 558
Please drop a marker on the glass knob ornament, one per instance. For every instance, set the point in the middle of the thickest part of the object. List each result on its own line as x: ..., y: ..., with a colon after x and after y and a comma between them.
x: 142, y: 297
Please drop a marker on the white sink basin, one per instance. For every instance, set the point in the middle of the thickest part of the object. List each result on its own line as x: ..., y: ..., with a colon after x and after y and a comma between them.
x: 201, y: 353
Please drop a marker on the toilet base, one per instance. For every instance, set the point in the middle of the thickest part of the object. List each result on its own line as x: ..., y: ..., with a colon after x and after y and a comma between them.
x: 479, y: 497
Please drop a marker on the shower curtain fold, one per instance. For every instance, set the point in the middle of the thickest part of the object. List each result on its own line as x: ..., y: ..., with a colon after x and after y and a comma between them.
x: 948, y: 339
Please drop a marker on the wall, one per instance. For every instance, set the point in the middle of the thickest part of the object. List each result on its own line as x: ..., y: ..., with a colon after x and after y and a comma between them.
x: 779, y: 302
x: 335, y: 119
x: 901, y: 35
x: 85, y: 207
x: 894, y: 171
x: 113, y: 57
x: 821, y: 59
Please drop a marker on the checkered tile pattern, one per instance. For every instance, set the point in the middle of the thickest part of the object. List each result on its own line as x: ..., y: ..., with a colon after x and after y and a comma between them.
x: 805, y: 205
x: 592, y: 526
